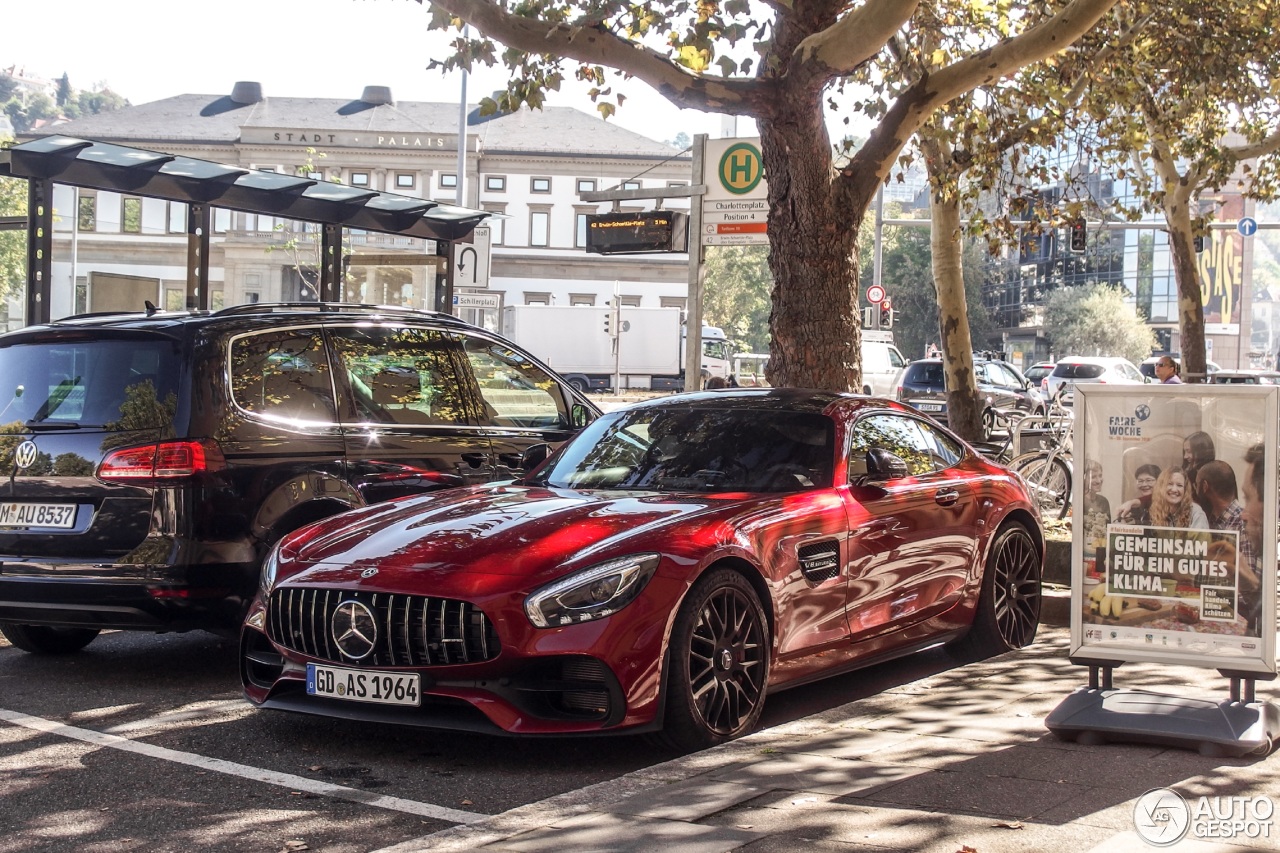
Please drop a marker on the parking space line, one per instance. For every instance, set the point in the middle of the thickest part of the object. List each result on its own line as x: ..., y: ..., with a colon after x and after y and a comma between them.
x: 244, y: 771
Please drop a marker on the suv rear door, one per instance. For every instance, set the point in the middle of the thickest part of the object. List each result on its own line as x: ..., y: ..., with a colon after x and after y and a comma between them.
x: 70, y: 399
x: 409, y: 411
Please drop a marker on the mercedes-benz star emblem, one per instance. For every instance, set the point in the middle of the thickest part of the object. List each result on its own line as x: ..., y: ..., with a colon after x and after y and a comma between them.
x: 25, y: 455
x: 355, y: 631
x: 369, y: 572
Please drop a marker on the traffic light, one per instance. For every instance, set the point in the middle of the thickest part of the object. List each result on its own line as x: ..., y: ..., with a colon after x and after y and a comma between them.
x: 608, y: 322
x: 1198, y: 243
x: 1079, y: 235
x: 886, y: 314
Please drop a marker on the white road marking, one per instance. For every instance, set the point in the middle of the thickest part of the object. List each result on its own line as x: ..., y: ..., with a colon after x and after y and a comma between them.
x: 244, y: 771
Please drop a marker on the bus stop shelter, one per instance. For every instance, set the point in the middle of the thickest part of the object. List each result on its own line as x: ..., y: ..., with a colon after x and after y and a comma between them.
x: 203, y: 185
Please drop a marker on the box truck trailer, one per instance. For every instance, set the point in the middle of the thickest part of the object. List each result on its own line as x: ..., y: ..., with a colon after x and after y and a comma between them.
x: 577, y: 342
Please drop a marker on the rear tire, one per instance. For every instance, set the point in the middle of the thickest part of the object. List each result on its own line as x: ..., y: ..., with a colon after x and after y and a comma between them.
x: 47, y: 640
x: 1008, y: 612
x: 718, y: 663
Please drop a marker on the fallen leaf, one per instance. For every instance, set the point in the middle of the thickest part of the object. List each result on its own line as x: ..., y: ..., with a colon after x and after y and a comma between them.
x: 1002, y: 824
x: 291, y: 846
x: 467, y: 803
x: 315, y: 768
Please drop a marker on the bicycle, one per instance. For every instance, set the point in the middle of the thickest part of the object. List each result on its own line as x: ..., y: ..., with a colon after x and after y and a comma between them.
x: 1048, y: 471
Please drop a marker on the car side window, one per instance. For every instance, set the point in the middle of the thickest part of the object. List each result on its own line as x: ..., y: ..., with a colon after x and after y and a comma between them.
x: 283, y: 375
x: 946, y: 451
x: 899, y: 435
x: 516, y: 392
x: 1008, y: 378
x: 895, y: 358
x: 402, y: 376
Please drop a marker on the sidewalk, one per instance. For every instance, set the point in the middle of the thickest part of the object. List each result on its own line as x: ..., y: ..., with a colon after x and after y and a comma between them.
x: 957, y: 761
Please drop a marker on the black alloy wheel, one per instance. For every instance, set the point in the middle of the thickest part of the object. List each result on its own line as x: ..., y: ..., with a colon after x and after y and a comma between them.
x: 1008, y: 612
x: 719, y: 663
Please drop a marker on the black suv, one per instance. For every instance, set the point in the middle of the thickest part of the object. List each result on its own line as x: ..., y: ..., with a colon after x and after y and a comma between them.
x: 150, y: 460
x: 1002, y: 389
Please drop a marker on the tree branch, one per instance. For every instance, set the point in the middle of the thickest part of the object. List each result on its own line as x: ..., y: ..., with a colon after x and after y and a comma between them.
x: 600, y: 47
x: 842, y: 47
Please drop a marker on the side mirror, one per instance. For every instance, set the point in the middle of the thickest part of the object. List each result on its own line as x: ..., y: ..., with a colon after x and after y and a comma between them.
x: 883, y: 465
x: 533, y: 456
x: 579, y: 416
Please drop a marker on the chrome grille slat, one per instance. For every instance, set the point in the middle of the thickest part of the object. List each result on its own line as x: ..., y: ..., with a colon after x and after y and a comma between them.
x: 412, y: 630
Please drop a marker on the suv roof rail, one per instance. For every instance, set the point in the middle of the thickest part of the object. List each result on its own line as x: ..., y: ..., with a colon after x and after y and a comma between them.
x: 347, y: 307
x: 125, y: 315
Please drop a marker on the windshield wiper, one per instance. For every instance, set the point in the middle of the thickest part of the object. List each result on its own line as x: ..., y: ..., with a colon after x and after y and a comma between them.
x: 49, y: 426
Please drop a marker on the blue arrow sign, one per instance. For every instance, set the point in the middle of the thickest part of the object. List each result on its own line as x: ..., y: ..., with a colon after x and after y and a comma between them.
x: 1248, y: 226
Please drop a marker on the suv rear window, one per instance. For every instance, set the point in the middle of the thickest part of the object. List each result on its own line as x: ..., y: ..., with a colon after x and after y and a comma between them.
x: 1079, y: 371
x: 113, y: 383
x: 924, y: 373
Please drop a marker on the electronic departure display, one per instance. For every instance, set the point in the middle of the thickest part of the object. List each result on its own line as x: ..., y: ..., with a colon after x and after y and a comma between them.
x: 642, y: 231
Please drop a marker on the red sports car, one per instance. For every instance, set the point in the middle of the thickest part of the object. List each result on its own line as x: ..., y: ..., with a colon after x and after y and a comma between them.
x: 666, y: 569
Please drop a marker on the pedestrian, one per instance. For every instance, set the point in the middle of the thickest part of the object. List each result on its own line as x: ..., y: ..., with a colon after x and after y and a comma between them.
x: 1167, y: 371
x: 716, y: 383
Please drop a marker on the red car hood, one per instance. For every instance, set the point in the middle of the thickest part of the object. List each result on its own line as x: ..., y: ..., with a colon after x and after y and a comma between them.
x: 502, y: 530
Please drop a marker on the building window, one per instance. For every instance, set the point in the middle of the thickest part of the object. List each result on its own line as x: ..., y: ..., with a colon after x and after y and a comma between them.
x: 539, y: 228
x: 448, y: 181
x: 497, y: 225
x: 586, y: 185
x: 495, y: 183
x: 405, y: 181
x: 672, y: 302
x: 311, y: 173
x: 677, y: 183
x: 580, y: 230
x: 629, y: 301
x: 359, y: 179
x: 177, y: 217
x: 537, y: 298
x: 631, y: 185
x: 582, y: 299
x: 539, y: 185
x: 221, y: 220
x: 131, y: 215
x: 87, y: 214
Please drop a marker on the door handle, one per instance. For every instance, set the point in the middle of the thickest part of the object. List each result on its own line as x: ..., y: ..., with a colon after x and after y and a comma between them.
x: 946, y: 497
x: 475, y: 460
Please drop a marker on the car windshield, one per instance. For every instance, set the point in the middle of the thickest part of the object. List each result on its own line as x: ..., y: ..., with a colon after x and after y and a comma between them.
x: 1079, y: 371
x: 701, y: 450
x: 925, y: 373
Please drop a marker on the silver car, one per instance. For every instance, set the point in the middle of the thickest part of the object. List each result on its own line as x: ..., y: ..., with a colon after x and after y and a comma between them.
x: 1073, y: 370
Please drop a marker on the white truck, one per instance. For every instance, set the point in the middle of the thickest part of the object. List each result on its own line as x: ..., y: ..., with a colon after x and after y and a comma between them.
x: 576, y: 342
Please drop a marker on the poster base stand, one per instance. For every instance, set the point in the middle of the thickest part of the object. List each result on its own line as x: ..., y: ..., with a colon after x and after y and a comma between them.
x: 1100, y: 713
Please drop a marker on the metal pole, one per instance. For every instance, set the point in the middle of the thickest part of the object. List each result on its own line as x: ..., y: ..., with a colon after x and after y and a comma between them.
x: 693, y: 309
x: 877, y: 270
x: 460, y: 195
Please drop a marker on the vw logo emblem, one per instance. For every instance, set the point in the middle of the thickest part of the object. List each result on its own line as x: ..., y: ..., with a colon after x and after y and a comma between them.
x: 355, y: 631
x: 368, y: 573
x: 25, y: 455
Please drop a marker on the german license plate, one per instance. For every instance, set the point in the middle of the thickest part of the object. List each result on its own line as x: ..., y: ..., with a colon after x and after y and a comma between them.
x: 361, y: 685
x: 37, y: 515
x: 931, y: 407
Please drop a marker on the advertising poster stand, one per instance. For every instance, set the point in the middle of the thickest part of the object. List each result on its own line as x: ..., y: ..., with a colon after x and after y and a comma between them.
x: 1174, y: 562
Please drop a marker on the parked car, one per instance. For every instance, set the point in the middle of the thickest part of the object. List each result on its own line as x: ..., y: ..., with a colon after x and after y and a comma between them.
x: 1037, y: 372
x: 1003, y: 389
x: 881, y: 363
x: 1075, y: 369
x: 1245, y: 377
x: 669, y: 567
x: 152, y: 459
x: 1148, y: 366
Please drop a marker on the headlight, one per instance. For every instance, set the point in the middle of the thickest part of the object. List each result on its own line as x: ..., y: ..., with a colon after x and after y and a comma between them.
x: 592, y: 593
x: 270, y: 565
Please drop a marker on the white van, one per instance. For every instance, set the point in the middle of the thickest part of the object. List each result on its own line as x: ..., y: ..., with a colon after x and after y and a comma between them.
x: 881, y: 363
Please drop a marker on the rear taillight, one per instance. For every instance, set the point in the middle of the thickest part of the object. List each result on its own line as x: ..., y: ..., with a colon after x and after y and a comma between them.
x: 165, y: 461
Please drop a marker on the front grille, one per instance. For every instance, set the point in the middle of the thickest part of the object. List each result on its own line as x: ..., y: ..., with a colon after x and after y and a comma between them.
x: 413, y: 630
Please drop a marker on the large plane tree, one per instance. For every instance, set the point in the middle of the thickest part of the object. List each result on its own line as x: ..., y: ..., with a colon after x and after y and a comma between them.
x: 787, y: 64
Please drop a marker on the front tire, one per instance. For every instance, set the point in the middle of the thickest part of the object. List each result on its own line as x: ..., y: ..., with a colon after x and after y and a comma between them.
x: 718, y: 661
x: 47, y: 640
x: 1008, y: 612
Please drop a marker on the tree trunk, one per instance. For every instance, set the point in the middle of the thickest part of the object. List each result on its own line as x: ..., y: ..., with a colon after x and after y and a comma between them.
x: 964, y: 410
x: 1190, y: 292
x: 813, y: 229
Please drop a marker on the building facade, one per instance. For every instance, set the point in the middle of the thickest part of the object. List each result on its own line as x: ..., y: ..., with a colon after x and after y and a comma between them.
x: 528, y: 169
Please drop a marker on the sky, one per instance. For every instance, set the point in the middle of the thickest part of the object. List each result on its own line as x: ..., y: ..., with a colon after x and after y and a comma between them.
x: 146, y: 50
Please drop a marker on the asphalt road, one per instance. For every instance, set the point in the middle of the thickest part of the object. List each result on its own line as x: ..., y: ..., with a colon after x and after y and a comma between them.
x: 143, y: 742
